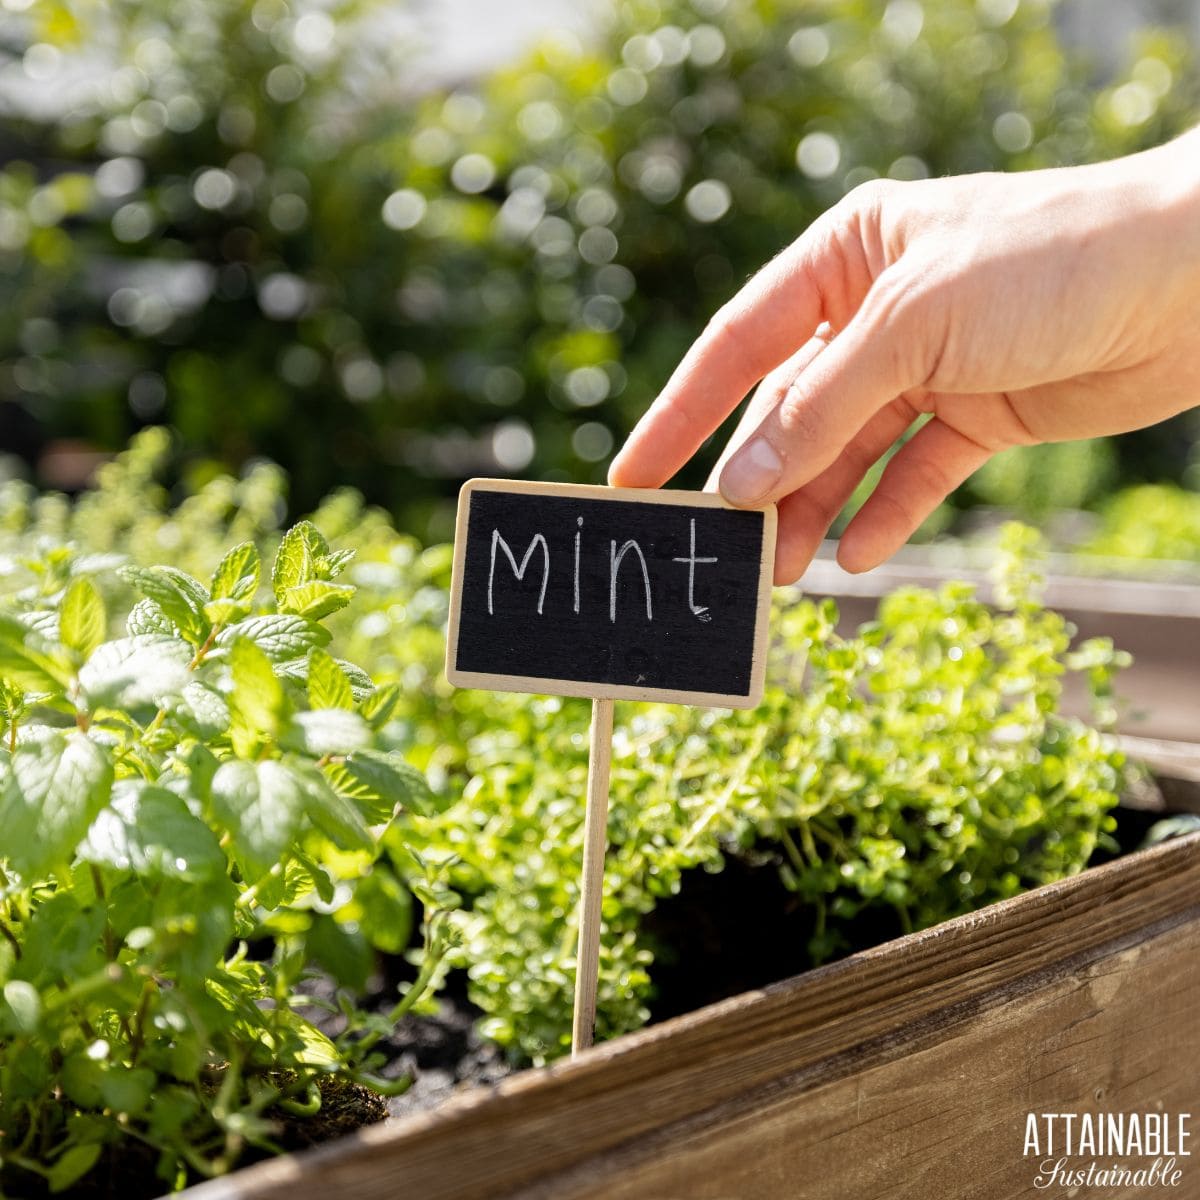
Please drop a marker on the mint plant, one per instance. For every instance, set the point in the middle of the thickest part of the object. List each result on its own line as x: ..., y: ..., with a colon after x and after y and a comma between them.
x: 208, y: 780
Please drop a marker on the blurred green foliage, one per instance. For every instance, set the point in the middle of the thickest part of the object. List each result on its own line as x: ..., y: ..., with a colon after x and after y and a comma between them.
x: 234, y: 217
x: 1159, y: 521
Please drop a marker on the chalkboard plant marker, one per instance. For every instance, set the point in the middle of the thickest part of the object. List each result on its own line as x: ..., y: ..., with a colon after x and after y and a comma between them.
x: 608, y: 593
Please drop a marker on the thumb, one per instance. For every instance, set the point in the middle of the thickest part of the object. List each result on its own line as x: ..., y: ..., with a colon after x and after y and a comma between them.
x: 877, y: 357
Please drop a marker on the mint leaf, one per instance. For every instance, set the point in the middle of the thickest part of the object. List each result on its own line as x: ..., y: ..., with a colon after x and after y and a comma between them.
x: 331, y: 813
x: 378, y: 705
x: 20, y: 1007
x: 152, y: 832
x: 43, y: 621
x: 226, y: 612
x: 62, y: 940
x: 384, y: 910
x: 201, y: 711
x: 12, y: 701
x: 317, y: 598
x: 262, y: 806
x: 256, y: 701
x: 237, y: 574
x: 327, y: 731
x: 51, y: 795
x: 328, y: 686
x: 287, y: 886
x: 378, y: 781
x: 337, y: 562
x: 82, y: 622
x: 135, y: 670
x: 73, y: 1165
x: 294, y: 560
x: 127, y: 1089
x: 280, y: 636
x: 28, y: 660
x: 195, y: 926
x: 361, y: 684
x: 181, y: 598
x: 147, y: 618
x: 344, y: 952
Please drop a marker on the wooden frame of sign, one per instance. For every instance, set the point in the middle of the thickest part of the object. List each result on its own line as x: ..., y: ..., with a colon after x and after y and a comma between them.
x: 621, y: 562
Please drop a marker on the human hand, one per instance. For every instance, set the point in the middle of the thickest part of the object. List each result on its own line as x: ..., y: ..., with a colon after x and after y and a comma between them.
x: 1013, y: 309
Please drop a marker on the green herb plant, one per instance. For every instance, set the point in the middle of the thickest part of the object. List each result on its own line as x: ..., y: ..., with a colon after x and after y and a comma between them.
x: 1151, y: 521
x: 190, y: 820
x: 919, y: 767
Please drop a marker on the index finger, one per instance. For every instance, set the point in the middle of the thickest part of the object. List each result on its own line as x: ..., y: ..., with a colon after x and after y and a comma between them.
x: 764, y: 324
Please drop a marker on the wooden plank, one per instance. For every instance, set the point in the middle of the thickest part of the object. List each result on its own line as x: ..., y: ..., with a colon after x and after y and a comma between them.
x: 948, y: 1117
x: 929, y: 567
x: 1080, y: 984
x: 1166, y: 759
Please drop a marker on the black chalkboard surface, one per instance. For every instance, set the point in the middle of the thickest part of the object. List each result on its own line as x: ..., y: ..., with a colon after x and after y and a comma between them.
x: 614, y: 593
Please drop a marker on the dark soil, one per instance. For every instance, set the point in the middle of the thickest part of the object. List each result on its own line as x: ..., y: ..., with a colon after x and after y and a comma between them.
x: 345, y: 1107
x: 735, y: 930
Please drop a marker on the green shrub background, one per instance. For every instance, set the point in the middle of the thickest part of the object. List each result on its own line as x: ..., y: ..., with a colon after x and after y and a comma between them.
x: 250, y: 229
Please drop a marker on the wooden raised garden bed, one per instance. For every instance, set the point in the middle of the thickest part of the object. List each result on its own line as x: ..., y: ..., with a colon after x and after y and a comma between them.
x: 903, y: 1071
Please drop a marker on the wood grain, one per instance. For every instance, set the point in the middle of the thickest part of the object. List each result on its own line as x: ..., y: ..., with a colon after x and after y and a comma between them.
x: 904, y: 1071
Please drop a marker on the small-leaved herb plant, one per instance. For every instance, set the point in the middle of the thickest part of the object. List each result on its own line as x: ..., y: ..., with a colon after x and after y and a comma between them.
x: 181, y: 784
x: 922, y: 767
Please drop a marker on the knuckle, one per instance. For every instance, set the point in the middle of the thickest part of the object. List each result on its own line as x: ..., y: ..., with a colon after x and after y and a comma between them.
x: 858, y: 459
x: 894, y: 299
x: 798, y: 415
x: 892, y: 511
x: 932, y: 478
x: 902, y: 316
x: 725, y: 335
x: 874, y: 194
x: 868, y: 202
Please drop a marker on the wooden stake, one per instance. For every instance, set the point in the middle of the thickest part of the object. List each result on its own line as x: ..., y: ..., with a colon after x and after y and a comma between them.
x: 595, y: 842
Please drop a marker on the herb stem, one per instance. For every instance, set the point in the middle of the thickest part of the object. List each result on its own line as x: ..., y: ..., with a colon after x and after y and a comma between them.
x: 198, y: 658
x: 137, y: 1036
x: 11, y: 938
x: 110, y: 938
x: 434, y: 952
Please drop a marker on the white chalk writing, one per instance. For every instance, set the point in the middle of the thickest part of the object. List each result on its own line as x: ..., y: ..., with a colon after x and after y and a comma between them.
x: 615, y: 557
x: 519, y: 572
x: 700, y: 610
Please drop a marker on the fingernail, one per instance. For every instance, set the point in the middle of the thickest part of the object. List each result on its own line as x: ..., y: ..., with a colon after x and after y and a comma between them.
x: 751, y: 473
